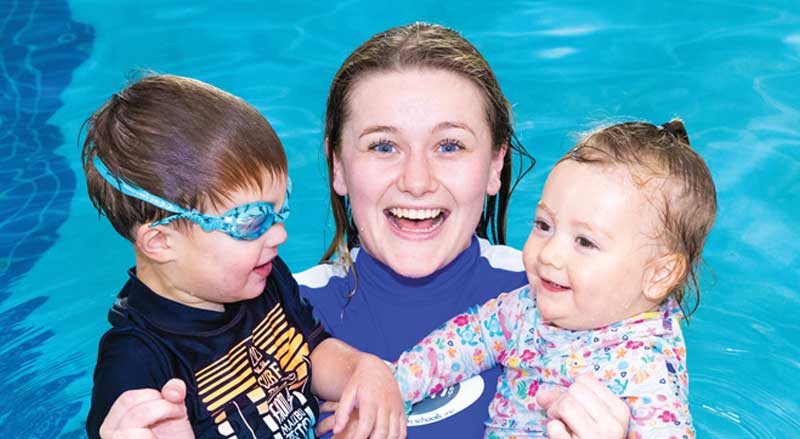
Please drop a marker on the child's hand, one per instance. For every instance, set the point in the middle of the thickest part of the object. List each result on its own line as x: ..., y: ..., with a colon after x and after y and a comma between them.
x: 325, y: 425
x: 586, y: 409
x: 374, y: 392
x: 149, y: 414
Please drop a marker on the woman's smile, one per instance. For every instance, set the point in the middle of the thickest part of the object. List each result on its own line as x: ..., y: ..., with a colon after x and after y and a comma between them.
x: 416, y: 221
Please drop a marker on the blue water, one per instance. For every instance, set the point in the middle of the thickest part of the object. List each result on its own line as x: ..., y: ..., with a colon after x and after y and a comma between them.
x: 730, y: 70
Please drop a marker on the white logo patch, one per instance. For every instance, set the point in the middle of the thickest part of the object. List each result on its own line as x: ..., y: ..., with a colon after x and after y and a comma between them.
x: 446, y: 403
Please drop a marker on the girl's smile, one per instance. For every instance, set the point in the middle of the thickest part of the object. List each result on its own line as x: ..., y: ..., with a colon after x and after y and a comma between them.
x: 588, y: 252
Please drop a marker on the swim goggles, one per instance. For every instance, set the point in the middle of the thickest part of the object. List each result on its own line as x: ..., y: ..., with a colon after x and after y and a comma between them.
x: 246, y: 222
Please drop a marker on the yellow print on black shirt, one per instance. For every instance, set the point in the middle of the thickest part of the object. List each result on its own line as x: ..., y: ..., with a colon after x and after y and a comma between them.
x: 257, y: 389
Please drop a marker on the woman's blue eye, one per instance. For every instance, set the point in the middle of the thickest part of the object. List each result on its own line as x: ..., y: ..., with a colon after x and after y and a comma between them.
x: 450, y: 146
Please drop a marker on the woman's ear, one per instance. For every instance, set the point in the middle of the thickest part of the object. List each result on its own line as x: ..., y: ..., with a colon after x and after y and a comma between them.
x: 339, y: 183
x: 157, y: 243
x: 496, y: 170
x: 662, y: 275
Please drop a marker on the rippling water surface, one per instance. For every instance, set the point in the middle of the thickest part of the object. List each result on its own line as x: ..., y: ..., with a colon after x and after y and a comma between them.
x: 730, y: 70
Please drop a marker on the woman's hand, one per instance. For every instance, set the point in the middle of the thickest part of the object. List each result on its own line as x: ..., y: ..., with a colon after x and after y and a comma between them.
x: 149, y: 414
x: 372, y: 390
x: 587, y: 409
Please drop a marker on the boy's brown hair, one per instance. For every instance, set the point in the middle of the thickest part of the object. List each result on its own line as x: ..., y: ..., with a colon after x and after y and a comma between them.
x: 688, y: 199
x: 180, y: 139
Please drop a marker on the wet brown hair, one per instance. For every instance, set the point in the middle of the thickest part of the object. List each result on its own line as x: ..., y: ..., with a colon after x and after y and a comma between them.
x: 687, y: 202
x: 429, y: 46
x: 180, y: 139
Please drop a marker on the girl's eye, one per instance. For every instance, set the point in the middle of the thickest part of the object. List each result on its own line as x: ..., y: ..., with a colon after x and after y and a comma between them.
x: 383, y: 146
x: 541, y: 225
x: 450, y: 146
x: 585, y: 243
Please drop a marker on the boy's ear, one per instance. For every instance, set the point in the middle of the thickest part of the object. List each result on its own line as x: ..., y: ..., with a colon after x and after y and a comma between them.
x: 496, y: 169
x: 662, y: 275
x: 339, y: 184
x: 157, y: 243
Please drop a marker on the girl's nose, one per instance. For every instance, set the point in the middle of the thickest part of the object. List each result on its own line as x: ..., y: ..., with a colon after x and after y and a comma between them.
x: 552, y: 253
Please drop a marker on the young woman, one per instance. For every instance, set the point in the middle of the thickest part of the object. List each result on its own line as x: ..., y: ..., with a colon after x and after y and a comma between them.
x: 419, y: 145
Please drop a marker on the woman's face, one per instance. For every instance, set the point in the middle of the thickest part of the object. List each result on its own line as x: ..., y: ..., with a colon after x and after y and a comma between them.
x: 416, y: 161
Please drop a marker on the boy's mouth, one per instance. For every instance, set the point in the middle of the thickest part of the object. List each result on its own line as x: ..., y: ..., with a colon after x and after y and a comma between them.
x: 416, y: 220
x: 264, y: 269
x: 552, y: 286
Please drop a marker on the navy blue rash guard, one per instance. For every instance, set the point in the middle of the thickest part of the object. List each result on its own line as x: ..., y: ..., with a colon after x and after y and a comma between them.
x: 247, y: 369
x: 389, y: 313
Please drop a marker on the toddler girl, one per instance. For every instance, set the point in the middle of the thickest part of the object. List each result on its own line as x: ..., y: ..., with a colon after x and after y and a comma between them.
x: 612, y: 256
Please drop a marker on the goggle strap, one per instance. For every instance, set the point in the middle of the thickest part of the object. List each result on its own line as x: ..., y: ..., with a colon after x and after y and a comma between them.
x: 135, y: 192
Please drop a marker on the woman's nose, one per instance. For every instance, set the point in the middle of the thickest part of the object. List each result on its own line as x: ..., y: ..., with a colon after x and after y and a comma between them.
x: 417, y: 174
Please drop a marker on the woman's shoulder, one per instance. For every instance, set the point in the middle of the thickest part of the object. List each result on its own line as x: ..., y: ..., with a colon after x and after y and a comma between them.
x: 324, y: 275
x: 501, y: 257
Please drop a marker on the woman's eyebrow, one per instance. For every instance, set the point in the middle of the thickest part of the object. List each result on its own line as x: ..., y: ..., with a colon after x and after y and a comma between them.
x: 378, y: 129
x: 448, y: 125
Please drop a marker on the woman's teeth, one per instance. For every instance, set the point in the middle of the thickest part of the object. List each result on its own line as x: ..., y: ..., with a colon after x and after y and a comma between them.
x: 416, y: 220
x: 415, y: 214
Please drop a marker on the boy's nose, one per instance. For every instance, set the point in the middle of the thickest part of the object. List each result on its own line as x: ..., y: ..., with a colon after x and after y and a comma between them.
x: 275, y: 236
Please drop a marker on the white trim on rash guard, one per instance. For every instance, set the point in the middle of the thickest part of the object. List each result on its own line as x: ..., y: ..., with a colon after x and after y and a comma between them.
x: 501, y: 256
x: 319, y: 275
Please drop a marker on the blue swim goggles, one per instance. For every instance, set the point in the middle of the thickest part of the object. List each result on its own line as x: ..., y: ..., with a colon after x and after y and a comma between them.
x: 246, y: 222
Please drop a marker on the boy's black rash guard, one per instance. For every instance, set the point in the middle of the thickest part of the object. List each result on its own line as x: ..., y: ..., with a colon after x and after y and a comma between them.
x: 247, y: 370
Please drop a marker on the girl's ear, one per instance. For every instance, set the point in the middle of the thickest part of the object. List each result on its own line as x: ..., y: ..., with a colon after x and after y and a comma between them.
x: 339, y: 183
x: 662, y: 275
x: 496, y: 169
x: 157, y: 243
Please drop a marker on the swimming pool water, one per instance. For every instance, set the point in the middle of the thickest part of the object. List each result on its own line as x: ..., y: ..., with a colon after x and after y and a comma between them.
x: 730, y: 70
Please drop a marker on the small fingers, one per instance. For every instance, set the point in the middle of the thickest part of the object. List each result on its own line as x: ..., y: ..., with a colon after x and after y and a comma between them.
x: 616, y: 407
x: 346, y: 405
x: 119, y: 410
x: 546, y: 398
x: 397, y: 426
x: 557, y: 430
x: 325, y: 425
x: 382, y: 426
x: 328, y: 406
x: 150, y: 412
x: 584, y: 410
x: 174, y: 391
x: 570, y: 411
x: 366, y: 422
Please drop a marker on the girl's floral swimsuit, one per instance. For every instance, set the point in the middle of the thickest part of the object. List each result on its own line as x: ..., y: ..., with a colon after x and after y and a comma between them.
x: 642, y: 359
